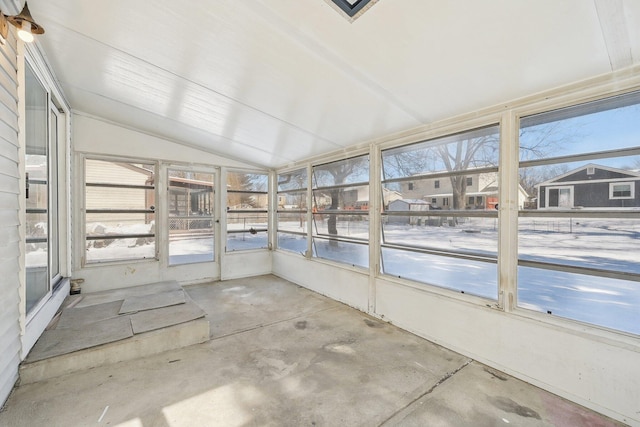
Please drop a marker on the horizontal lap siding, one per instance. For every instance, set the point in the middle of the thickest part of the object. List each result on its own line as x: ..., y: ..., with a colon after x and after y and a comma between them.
x: 9, y: 220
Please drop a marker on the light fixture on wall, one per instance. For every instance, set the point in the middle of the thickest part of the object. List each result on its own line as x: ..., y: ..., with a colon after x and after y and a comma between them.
x: 25, y: 23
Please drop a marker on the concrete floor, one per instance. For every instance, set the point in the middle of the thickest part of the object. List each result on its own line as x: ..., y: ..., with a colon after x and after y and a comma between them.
x: 281, y: 355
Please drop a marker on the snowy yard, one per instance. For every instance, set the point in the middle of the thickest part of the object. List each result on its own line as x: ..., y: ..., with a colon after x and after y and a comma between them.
x: 603, y: 244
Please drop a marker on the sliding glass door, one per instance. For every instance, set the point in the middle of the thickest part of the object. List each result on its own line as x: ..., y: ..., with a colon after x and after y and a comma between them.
x: 42, y: 259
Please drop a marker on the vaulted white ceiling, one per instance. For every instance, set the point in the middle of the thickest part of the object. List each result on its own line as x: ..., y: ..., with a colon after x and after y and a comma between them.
x: 277, y: 81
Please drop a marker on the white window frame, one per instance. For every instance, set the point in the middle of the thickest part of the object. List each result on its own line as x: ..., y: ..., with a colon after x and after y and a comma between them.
x: 632, y: 188
x: 157, y: 211
x: 303, y: 190
x: 229, y: 211
x: 212, y: 216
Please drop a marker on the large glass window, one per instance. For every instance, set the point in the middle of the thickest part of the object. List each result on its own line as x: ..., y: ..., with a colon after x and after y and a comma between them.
x: 41, y: 158
x: 578, y: 233
x: 292, y: 210
x: 341, y: 211
x: 440, y: 222
x: 119, y: 210
x: 191, y: 220
x: 247, y: 203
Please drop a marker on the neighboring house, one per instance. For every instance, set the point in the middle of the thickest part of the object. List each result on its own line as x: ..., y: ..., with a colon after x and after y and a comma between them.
x: 591, y: 186
x: 481, y: 191
x: 112, y: 197
x: 404, y: 205
x: 355, y: 198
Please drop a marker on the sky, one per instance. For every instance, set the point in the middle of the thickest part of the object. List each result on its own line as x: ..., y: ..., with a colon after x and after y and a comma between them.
x: 606, y: 130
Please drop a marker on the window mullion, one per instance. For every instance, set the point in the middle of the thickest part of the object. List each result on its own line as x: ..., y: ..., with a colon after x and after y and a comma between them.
x: 508, y: 212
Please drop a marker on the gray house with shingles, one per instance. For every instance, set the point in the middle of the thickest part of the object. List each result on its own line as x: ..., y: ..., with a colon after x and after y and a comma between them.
x: 591, y: 186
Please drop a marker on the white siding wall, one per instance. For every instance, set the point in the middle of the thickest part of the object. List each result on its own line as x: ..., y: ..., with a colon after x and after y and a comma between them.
x: 9, y: 220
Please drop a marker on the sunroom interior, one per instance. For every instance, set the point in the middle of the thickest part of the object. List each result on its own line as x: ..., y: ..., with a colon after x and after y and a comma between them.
x: 467, y: 171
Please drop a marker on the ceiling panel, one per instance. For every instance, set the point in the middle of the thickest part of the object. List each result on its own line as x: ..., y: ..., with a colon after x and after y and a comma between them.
x: 279, y: 81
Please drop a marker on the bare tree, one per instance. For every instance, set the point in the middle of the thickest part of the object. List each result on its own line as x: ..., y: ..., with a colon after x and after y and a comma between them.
x: 464, y: 155
x: 335, y: 174
x: 475, y: 150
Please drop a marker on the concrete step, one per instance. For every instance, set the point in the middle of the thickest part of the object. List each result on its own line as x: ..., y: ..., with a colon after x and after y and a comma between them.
x: 106, y: 328
x: 137, y: 346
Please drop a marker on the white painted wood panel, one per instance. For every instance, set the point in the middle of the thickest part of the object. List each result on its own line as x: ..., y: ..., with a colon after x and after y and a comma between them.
x: 281, y: 81
x: 237, y: 265
x: 599, y: 374
x: 95, y: 136
x: 340, y: 283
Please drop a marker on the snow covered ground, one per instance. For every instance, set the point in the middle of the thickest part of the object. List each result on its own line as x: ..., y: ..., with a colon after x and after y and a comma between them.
x: 605, y: 244
x: 191, y: 249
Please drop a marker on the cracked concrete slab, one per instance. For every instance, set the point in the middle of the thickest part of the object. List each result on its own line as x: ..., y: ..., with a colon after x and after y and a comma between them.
x: 304, y: 360
x: 149, y: 302
x: 121, y: 294
x: 77, y: 317
x: 240, y: 305
x: 478, y: 396
x: 151, y: 320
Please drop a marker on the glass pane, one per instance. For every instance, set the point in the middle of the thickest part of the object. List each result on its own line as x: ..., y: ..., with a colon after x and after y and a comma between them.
x: 453, y: 173
x: 340, y: 210
x: 185, y: 248
x: 345, y: 252
x: 100, y: 224
x: 477, y: 236
x: 292, y: 200
x: 104, y: 236
x: 611, y: 303
x: 36, y: 246
x: 119, y: 198
x: 601, y: 125
x: 245, y: 240
x: 439, y: 194
x: 116, y: 206
x: 350, y: 171
x: 111, y: 249
x: 247, y: 230
x: 602, y: 243
x: 292, y: 221
x: 246, y: 221
x: 467, y: 276
x: 293, y: 180
x: 37, y: 167
x: 292, y: 242
x: 37, y: 277
x: 464, y: 151
x: 344, y: 198
x: 578, y: 238
x: 113, y: 172
x: 38, y: 195
x: 354, y: 226
x: 583, y: 185
x: 191, y: 222
x: 247, y: 201
x: 256, y: 182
